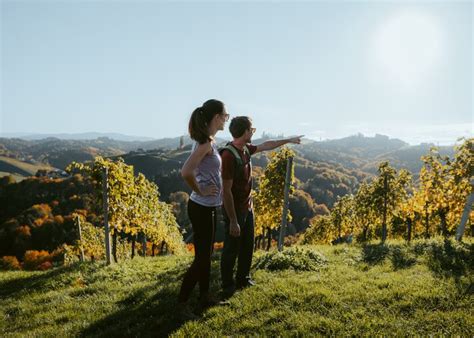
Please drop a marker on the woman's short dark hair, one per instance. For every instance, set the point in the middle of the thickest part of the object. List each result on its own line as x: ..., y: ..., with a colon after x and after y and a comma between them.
x: 239, y: 125
x: 200, y: 119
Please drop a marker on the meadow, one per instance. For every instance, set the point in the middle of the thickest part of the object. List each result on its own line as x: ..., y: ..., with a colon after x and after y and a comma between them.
x: 423, y: 288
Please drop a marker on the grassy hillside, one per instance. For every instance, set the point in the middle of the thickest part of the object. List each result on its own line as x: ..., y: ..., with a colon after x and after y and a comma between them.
x: 423, y: 289
x: 59, y: 153
x: 20, y: 168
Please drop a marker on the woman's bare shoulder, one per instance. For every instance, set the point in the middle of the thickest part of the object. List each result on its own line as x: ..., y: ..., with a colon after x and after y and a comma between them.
x: 204, y: 147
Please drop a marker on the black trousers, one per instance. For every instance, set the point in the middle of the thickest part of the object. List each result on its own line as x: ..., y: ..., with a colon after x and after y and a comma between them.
x: 203, y: 221
x: 240, y: 248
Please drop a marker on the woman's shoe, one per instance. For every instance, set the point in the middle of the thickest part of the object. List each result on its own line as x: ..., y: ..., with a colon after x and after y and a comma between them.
x: 186, y: 312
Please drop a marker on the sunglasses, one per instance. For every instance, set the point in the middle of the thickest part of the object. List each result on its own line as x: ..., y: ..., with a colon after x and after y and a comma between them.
x: 226, y: 116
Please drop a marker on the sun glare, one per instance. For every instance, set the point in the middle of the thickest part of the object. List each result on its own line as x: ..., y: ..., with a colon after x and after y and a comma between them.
x: 407, y: 48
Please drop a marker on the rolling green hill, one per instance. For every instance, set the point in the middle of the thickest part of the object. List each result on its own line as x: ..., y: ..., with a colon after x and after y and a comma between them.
x: 365, y: 153
x: 59, y: 153
x: 354, y: 152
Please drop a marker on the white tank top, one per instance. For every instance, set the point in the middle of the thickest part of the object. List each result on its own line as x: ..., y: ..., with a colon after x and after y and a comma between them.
x: 208, y: 172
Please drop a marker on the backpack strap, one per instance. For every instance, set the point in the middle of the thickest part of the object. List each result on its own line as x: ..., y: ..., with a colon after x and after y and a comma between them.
x: 239, y: 164
x: 236, y: 154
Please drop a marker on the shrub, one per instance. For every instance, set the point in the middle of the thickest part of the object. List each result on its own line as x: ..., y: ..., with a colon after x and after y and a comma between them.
x: 45, y: 266
x: 40, y: 211
x: 320, y: 230
x: 33, y: 259
x: 375, y: 253
x: 9, y: 263
x: 23, y: 231
x: 298, y: 259
x: 291, y: 240
x: 450, y: 258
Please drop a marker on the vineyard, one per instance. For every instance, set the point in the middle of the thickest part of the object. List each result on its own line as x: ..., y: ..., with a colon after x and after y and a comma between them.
x: 393, y: 205
x: 383, y: 260
x: 390, y: 205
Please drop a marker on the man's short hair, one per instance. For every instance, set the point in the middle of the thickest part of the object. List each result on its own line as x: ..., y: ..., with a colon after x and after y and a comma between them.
x: 239, y: 125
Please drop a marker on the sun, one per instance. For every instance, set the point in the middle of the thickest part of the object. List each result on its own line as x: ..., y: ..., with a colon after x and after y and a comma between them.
x: 407, y: 47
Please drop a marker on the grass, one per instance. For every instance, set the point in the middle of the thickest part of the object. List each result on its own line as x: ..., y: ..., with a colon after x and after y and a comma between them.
x: 425, y: 288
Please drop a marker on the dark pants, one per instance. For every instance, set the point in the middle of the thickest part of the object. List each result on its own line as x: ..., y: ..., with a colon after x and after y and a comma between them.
x: 203, y: 221
x: 241, y: 247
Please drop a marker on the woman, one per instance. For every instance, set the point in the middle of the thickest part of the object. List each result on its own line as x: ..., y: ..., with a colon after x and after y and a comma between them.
x: 202, y: 172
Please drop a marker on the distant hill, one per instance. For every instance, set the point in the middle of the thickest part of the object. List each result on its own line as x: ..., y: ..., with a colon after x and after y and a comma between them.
x: 59, y: 153
x: 78, y: 136
x: 325, y: 169
x: 364, y: 145
x: 407, y: 157
x: 323, y: 181
x: 172, y: 143
x: 160, y: 166
x: 365, y: 153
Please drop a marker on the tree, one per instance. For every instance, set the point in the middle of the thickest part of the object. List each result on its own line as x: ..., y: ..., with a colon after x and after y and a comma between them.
x: 342, y: 214
x: 269, y: 197
x: 365, y: 212
x: 436, y: 186
x: 389, y: 192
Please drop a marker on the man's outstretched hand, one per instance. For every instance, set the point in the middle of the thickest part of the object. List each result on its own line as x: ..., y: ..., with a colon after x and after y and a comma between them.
x: 296, y: 139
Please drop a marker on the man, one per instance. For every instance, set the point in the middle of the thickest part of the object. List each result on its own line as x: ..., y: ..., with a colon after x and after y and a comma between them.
x: 238, y: 208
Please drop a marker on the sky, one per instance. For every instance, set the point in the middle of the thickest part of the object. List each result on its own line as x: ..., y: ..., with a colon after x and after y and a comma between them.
x: 323, y: 69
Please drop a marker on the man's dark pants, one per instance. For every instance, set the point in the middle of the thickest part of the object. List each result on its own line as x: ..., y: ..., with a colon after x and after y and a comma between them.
x: 237, y: 247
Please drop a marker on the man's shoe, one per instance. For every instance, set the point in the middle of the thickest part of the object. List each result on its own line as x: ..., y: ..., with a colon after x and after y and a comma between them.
x: 245, y: 284
x: 228, y: 291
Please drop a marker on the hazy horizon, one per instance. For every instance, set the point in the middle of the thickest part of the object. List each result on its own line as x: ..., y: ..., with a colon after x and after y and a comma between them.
x: 140, y: 138
x: 323, y: 69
